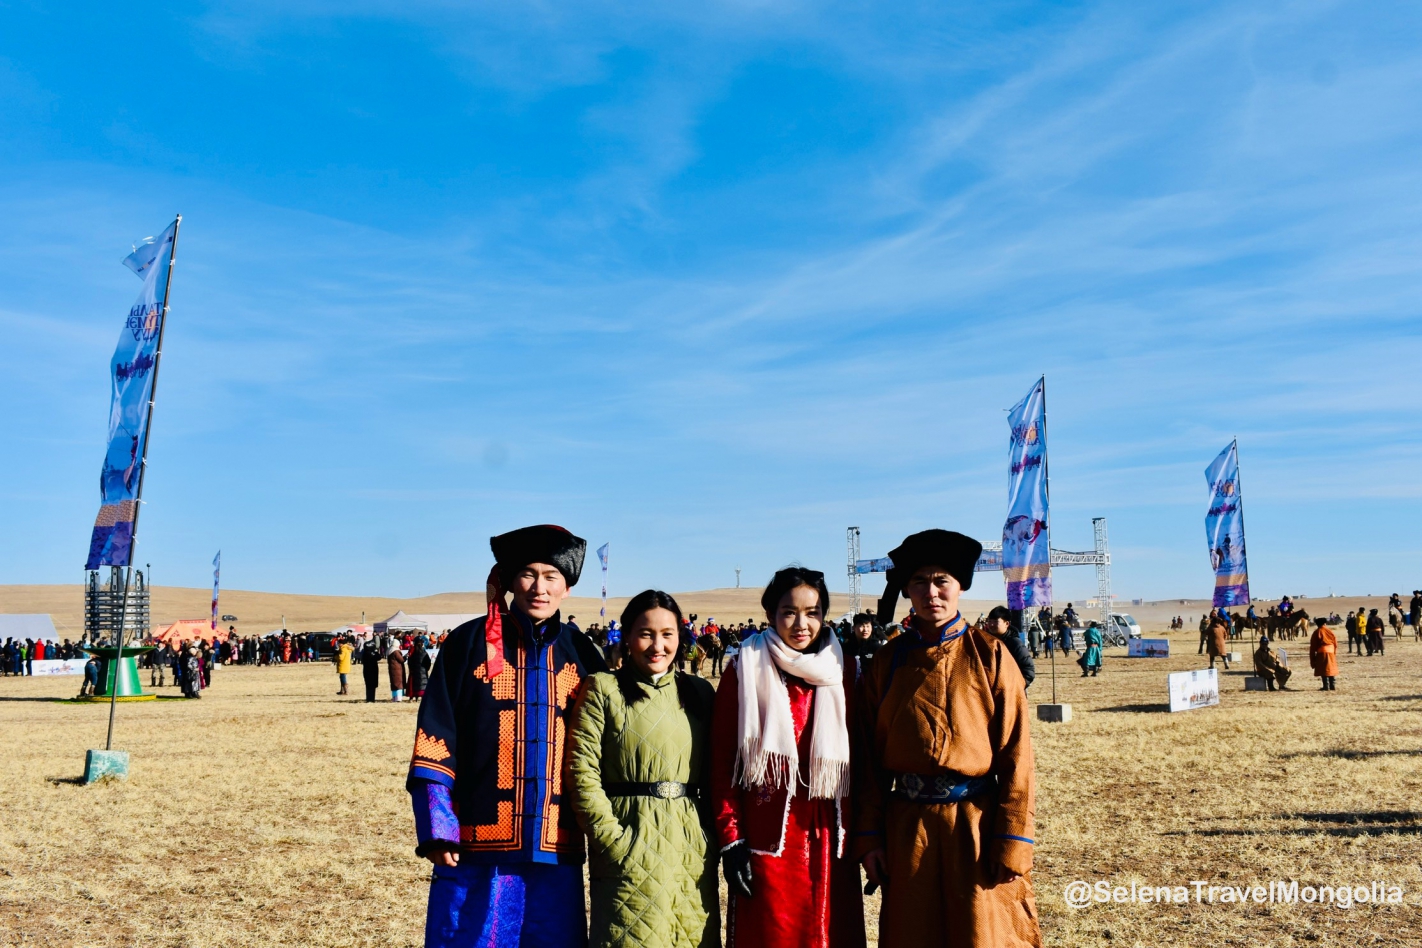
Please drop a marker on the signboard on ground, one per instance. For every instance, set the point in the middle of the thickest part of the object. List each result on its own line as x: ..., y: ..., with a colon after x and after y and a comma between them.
x: 1194, y: 689
x: 72, y: 666
x: 1148, y: 648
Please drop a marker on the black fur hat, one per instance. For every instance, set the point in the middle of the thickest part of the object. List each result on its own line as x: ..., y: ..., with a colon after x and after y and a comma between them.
x: 955, y: 552
x: 541, y: 544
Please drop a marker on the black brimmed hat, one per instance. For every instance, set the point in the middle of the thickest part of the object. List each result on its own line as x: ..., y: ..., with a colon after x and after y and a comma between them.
x: 954, y: 552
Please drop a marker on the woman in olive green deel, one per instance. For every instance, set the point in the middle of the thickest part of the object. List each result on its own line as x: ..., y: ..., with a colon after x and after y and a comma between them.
x: 637, y: 774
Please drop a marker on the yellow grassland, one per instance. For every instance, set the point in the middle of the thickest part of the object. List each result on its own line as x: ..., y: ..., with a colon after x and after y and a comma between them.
x: 272, y: 811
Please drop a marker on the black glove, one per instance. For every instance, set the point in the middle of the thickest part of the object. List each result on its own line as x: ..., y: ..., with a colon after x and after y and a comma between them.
x: 735, y: 863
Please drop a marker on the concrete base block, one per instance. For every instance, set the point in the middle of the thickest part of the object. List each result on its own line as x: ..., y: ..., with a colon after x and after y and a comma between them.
x: 1255, y: 684
x: 1234, y: 657
x: 100, y: 764
x: 1060, y: 713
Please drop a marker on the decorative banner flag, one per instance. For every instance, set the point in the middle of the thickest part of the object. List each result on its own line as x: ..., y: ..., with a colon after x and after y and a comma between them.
x: 216, y: 574
x: 1026, y: 546
x: 881, y: 565
x: 131, y: 371
x: 1224, y: 529
x: 602, y: 555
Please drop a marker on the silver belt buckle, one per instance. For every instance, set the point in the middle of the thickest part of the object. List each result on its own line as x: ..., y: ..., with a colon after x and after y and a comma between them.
x: 668, y: 790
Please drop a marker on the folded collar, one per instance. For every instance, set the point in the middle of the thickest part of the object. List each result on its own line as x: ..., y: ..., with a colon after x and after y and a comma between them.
x: 955, y: 627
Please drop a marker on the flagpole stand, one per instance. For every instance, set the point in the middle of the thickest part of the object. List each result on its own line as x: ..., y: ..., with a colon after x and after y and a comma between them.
x: 1056, y: 713
x: 105, y: 765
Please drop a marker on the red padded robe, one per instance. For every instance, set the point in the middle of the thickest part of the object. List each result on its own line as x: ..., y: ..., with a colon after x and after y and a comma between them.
x: 806, y: 883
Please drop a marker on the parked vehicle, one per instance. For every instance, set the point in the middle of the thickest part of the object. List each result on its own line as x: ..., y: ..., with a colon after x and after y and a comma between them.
x: 1122, y: 629
x: 1127, y: 624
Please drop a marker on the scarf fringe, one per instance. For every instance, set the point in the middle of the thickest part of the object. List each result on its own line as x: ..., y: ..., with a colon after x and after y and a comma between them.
x: 829, y: 779
x: 758, y: 768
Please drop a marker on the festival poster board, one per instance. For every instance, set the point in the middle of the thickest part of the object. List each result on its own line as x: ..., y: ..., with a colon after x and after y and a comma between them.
x: 1194, y: 689
x: 67, y: 666
x: 1148, y: 648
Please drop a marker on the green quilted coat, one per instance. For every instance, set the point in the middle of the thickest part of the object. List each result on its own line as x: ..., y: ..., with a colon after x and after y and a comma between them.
x: 651, y: 862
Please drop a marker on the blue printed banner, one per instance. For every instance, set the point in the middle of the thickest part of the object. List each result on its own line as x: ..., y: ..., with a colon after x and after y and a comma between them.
x: 1224, y: 529
x: 881, y: 565
x: 131, y: 373
x: 1026, y: 547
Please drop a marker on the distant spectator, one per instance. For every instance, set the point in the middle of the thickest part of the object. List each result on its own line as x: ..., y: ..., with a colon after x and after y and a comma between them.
x: 192, y: 673
x: 1374, y: 632
x: 395, y: 659
x: 91, y: 677
x: 370, y: 666
x: 999, y: 625
x: 1091, y: 659
x: 343, y: 663
x: 418, y: 669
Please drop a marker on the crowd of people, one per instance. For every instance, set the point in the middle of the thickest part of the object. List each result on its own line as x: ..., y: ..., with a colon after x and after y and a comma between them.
x: 18, y: 657
x: 407, y: 657
x: 827, y: 747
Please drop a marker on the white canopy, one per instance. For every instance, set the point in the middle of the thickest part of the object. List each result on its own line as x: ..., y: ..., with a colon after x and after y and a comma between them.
x: 444, y: 621
x: 400, y: 622
x: 21, y: 626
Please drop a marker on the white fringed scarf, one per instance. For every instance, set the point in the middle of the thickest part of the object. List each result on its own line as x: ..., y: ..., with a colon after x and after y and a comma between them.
x: 766, y: 754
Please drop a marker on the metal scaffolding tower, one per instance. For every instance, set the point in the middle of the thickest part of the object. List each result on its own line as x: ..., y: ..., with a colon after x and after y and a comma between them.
x: 852, y: 542
x: 1103, y: 570
x: 104, y: 602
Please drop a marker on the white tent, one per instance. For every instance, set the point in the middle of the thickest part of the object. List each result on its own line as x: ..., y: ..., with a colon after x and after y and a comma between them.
x: 21, y: 626
x: 400, y: 622
x: 438, y: 622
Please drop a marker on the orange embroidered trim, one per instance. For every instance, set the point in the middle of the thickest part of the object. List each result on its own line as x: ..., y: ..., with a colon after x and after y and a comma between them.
x: 566, y: 685
x: 507, y: 726
x: 506, y: 831
x: 426, y: 764
x: 561, y: 688
x: 430, y: 748
x: 502, y: 831
x: 505, y: 685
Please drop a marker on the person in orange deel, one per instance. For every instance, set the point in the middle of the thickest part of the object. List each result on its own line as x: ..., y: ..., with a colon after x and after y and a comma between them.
x: 1323, y: 655
x: 1219, y: 640
x: 944, y: 780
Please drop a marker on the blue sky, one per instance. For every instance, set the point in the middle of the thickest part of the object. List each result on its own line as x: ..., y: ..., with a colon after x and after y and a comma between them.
x: 715, y: 284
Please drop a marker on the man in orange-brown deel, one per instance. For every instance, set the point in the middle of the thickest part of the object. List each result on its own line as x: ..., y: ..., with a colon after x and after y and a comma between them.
x: 1323, y: 655
x: 944, y: 781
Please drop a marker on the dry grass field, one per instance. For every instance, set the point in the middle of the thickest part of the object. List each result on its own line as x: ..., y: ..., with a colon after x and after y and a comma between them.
x: 271, y: 812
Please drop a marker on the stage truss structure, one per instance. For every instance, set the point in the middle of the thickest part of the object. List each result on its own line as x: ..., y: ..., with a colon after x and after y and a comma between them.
x: 991, y: 561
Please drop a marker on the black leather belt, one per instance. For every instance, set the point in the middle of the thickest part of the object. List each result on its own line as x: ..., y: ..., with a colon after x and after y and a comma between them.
x: 662, y: 789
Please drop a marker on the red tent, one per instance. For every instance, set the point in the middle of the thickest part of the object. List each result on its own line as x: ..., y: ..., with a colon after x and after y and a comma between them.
x: 189, y: 630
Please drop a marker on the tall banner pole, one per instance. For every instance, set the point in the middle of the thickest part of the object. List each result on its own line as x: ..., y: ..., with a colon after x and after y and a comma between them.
x: 1026, y: 542
x: 1047, y: 490
x: 1224, y: 529
x: 142, y: 470
x: 602, y: 554
x: 216, y: 578
x: 1239, y: 479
